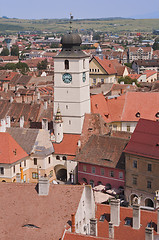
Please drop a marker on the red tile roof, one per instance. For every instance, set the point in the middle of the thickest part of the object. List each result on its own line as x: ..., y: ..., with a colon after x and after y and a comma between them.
x: 149, y: 73
x: 68, y: 145
x: 10, y: 150
x: 124, y: 232
x: 75, y: 236
x: 106, y: 65
x: 21, y: 205
x: 134, y: 76
x: 145, y: 139
x: 118, y: 109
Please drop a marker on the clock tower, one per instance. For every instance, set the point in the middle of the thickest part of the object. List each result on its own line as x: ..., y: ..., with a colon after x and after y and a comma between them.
x: 71, y: 84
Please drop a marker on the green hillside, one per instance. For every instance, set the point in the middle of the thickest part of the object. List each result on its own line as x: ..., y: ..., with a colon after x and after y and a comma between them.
x: 62, y: 25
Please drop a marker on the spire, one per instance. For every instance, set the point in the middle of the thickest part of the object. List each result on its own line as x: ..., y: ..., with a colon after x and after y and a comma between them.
x: 71, y: 18
x: 58, y: 118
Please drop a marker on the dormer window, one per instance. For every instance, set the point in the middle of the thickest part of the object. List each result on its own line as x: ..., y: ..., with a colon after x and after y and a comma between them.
x: 66, y: 64
x: 137, y: 114
x: 157, y: 115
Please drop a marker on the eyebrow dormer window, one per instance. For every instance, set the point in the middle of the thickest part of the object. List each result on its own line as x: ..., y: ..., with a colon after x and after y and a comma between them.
x: 137, y: 114
x: 66, y: 64
x: 157, y: 115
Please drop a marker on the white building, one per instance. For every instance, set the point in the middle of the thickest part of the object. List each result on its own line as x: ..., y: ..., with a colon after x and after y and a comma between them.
x: 71, y: 84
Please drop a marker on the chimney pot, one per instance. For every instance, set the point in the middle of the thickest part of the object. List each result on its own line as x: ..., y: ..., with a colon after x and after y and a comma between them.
x: 73, y: 222
x: 136, y: 216
x: 115, y: 212
x: 149, y: 233
x: 111, y: 230
x: 43, y: 186
x: 93, y: 227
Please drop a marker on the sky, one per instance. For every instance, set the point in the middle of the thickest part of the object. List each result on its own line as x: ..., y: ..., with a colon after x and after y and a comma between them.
x: 39, y: 9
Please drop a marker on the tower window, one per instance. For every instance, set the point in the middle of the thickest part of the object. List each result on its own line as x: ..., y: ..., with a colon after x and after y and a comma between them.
x: 84, y: 63
x: 66, y: 64
x: 66, y: 106
x: 69, y: 122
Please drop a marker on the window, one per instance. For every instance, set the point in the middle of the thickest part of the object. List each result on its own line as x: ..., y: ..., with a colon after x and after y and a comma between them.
x: 149, y: 167
x: 102, y: 218
x: 24, y: 163
x: 83, y: 63
x: 99, y: 183
x: 57, y: 157
x: 134, y: 180
x: 149, y: 184
x: 115, y: 127
x: 66, y: 64
x: 35, y: 161
x: 35, y: 175
x: 93, y: 170
x: 102, y: 171
x: 90, y: 69
x: 49, y: 160
x: 102, y: 80
x: 69, y: 122
x: 121, y: 175
x: 64, y: 158
x: 13, y: 169
x: 84, y: 168
x: 111, y: 173
x: 128, y: 128
x: 66, y: 106
x: 1, y: 170
x: 134, y: 164
x: 128, y: 221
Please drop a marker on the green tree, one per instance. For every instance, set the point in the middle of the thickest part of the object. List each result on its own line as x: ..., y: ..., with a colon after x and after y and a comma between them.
x: 10, y: 66
x: 23, y: 67
x: 15, y: 50
x: 5, y: 52
x: 42, y: 65
x: 127, y: 80
x: 156, y: 44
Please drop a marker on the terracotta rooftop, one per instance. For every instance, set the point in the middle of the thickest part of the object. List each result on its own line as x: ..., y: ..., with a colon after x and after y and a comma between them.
x: 106, y: 65
x: 118, y: 109
x: 68, y: 145
x: 10, y: 150
x: 124, y: 232
x: 49, y: 215
x: 145, y: 139
x: 75, y: 236
x: 104, y: 151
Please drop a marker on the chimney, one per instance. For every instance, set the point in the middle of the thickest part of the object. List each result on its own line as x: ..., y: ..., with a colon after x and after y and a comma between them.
x: 21, y: 121
x: 8, y: 121
x: 43, y: 186
x: 73, y: 222
x: 93, y: 227
x: 158, y: 220
x: 115, y: 212
x: 45, y: 105
x: 45, y: 124
x: 136, y: 216
x: 149, y: 233
x: 111, y: 230
x: 3, y: 125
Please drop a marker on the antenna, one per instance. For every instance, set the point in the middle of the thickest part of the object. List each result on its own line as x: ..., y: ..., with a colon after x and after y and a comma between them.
x: 71, y: 18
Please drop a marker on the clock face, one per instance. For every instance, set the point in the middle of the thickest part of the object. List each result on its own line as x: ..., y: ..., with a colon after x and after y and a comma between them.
x: 67, y: 78
x: 84, y: 77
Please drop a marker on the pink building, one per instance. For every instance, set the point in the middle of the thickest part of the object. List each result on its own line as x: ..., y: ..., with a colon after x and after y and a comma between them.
x: 101, y: 161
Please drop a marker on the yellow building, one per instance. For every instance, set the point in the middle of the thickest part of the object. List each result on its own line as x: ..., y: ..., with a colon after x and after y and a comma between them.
x: 101, y: 71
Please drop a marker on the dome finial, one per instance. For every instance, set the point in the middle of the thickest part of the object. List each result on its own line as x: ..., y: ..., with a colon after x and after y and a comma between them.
x: 58, y: 117
x: 71, y: 18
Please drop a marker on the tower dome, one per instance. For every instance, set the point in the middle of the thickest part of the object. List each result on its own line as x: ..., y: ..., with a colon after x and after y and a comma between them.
x: 70, y: 40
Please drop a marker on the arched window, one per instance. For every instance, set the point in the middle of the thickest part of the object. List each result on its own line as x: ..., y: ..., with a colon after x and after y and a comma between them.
x: 108, y: 186
x: 58, y: 157
x: 99, y: 183
x: 92, y: 183
x: 66, y: 64
x: 64, y: 158
x: 84, y: 63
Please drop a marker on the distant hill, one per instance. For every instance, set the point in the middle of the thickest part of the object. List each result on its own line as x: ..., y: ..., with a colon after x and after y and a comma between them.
x: 114, y: 25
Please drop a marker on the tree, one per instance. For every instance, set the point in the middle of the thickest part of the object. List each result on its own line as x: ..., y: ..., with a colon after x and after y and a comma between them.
x: 15, y: 50
x: 127, y: 80
x: 156, y: 44
x: 10, y: 66
x: 5, y: 52
x: 23, y: 67
x: 42, y: 65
